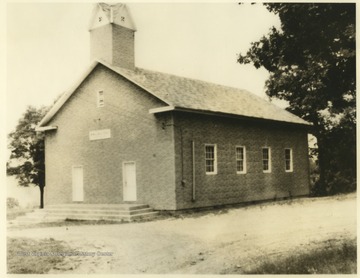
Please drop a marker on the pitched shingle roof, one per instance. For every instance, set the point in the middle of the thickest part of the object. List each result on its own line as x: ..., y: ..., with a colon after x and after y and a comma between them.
x: 196, y: 95
x: 182, y: 92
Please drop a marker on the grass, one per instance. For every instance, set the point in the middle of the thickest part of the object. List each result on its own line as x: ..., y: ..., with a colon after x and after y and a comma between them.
x: 24, y: 257
x: 330, y: 258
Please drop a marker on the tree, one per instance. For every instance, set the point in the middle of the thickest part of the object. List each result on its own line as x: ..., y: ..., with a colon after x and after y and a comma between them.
x: 27, y: 158
x: 312, y: 64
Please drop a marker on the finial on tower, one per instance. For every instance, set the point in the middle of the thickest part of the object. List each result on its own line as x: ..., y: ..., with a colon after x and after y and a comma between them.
x: 111, y: 13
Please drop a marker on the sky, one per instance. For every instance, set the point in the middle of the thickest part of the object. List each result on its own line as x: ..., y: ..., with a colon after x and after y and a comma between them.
x: 48, y: 46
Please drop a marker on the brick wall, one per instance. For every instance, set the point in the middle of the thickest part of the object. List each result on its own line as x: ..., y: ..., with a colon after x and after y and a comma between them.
x: 101, y: 46
x: 227, y: 187
x: 123, y: 47
x: 161, y: 147
x: 136, y: 136
x: 113, y: 44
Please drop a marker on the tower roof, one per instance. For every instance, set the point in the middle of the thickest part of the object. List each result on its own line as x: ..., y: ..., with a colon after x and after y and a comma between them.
x: 104, y: 13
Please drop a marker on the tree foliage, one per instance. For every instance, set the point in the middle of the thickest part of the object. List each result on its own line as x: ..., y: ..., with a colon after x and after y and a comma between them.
x: 312, y: 64
x: 27, y: 158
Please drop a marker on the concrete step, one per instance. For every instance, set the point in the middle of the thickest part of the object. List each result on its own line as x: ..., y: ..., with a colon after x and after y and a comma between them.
x: 93, y: 211
x: 102, y: 216
x: 99, y: 206
x: 113, y: 212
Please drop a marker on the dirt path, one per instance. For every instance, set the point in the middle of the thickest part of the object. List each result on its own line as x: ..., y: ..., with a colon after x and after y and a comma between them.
x: 207, y: 244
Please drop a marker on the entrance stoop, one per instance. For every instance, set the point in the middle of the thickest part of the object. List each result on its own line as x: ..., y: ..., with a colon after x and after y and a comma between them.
x: 111, y: 212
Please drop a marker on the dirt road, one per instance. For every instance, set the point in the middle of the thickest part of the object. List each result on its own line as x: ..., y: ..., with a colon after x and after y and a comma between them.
x: 207, y: 244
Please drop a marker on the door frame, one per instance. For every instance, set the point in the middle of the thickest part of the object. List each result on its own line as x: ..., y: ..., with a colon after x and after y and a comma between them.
x: 124, y: 180
x: 72, y: 183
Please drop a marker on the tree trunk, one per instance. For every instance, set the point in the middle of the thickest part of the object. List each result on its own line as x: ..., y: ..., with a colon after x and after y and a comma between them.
x: 321, y: 184
x: 41, y: 197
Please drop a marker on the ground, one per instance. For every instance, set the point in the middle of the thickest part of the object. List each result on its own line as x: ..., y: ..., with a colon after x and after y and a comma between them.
x: 220, y: 241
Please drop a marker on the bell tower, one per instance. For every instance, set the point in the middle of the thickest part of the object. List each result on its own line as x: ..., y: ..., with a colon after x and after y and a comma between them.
x: 112, y: 35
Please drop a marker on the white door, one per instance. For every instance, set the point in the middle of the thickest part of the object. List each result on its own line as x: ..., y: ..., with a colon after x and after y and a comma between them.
x: 77, y: 184
x: 129, y: 181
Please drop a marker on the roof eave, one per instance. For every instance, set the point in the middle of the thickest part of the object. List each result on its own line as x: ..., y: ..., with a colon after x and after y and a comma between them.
x: 161, y: 109
x: 62, y: 100
x: 222, y: 114
x: 45, y: 128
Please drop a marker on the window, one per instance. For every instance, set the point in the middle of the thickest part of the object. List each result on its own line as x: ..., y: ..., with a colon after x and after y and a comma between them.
x: 100, y: 99
x: 266, y: 158
x: 240, y: 160
x: 210, y: 159
x: 288, y: 160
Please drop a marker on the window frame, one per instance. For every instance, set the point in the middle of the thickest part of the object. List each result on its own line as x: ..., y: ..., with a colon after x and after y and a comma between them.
x: 100, y: 99
x: 268, y: 159
x: 214, y: 160
x: 290, y: 160
x: 243, y: 159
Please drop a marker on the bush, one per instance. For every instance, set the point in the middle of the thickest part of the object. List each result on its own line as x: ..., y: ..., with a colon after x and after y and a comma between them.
x: 336, y: 183
x: 12, y: 203
x: 341, y: 183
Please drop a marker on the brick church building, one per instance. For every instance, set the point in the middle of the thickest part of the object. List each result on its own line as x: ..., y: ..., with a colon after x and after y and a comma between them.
x: 125, y: 134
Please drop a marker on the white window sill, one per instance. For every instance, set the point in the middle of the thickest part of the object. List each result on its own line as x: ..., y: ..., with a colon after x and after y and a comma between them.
x: 241, y: 173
